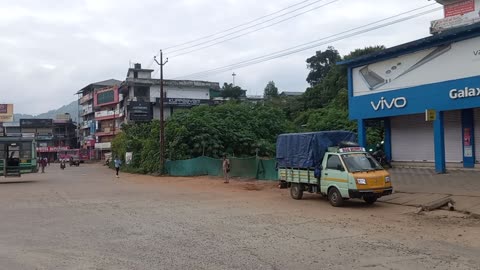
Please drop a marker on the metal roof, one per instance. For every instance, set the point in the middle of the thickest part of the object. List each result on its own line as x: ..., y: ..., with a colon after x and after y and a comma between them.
x: 455, y: 34
x: 110, y: 82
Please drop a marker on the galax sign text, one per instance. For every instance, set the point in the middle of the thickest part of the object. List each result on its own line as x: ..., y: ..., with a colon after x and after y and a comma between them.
x: 464, y: 93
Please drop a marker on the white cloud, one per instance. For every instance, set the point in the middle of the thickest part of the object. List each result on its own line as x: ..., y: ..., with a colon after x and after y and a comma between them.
x: 51, y: 49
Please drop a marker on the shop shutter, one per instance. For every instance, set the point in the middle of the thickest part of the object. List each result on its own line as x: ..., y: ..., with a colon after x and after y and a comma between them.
x: 453, y: 136
x: 412, y: 138
x: 477, y: 133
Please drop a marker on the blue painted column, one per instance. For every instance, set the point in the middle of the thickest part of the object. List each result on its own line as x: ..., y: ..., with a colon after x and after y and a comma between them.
x: 388, y: 138
x: 468, y: 138
x: 362, y: 133
x: 439, y: 142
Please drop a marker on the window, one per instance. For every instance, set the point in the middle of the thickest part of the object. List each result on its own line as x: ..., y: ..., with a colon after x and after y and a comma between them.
x: 334, y: 163
x: 135, y: 74
x: 106, y: 97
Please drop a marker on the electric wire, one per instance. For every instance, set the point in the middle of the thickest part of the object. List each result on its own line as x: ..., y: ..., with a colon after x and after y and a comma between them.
x: 247, y: 33
x: 255, y: 25
x: 237, y: 26
x: 314, y: 43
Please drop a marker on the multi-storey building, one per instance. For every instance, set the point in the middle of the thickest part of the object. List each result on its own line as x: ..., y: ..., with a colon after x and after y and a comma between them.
x: 108, y: 117
x: 141, y: 95
x: 87, y: 123
x: 64, y: 131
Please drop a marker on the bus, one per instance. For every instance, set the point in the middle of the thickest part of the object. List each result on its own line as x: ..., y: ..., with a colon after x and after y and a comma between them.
x: 18, y: 155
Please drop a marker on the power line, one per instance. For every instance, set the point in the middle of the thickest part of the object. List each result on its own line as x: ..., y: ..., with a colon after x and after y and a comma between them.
x: 244, y: 34
x: 314, y: 43
x: 235, y: 27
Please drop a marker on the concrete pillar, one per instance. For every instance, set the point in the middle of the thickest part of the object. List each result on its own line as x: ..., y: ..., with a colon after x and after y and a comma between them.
x: 388, y: 138
x: 439, y: 143
x: 468, y: 138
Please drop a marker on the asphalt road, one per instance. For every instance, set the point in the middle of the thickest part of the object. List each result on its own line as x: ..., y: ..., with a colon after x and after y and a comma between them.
x: 84, y: 218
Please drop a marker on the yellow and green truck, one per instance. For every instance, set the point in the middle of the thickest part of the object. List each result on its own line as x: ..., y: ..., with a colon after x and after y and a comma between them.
x: 330, y: 163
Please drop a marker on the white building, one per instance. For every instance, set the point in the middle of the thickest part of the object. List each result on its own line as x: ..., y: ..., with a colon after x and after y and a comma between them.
x: 142, y: 95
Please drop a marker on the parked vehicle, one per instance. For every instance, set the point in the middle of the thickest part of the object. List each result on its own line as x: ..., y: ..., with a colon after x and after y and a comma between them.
x: 62, y: 164
x: 74, y: 161
x: 331, y: 164
x: 380, y: 156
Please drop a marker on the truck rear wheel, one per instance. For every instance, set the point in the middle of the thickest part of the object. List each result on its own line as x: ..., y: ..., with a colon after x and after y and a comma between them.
x: 296, y: 191
x: 335, y: 197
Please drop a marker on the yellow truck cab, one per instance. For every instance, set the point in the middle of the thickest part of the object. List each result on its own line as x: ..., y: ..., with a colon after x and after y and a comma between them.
x: 345, y: 171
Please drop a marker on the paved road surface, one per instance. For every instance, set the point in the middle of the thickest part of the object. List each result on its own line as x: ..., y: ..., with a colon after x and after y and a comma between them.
x: 84, y: 218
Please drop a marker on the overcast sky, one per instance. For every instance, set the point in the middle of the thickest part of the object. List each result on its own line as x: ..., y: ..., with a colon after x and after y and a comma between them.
x: 50, y: 49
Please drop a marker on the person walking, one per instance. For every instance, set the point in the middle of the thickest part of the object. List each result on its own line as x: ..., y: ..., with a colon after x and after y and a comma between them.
x: 226, y: 169
x: 117, y: 162
x: 43, y: 163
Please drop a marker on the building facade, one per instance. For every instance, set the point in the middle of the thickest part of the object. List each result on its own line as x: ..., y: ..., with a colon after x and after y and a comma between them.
x: 427, y: 95
x: 86, y: 105
x: 141, y: 95
x: 108, y: 117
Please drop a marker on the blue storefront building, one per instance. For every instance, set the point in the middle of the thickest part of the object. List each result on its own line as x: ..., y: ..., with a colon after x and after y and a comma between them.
x: 427, y: 95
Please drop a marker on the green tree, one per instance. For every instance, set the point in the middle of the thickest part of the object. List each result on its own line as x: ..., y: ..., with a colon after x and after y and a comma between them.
x: 233, y: 92
x: 235, y: 128
x: 320, y: 64
x: 271, y: 91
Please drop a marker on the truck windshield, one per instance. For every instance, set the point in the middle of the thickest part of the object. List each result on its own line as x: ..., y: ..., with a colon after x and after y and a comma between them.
x: 360, y: 162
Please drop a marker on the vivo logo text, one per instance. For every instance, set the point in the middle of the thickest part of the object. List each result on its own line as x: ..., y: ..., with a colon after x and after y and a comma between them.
x: 383, y: 104
x: 476, y: 53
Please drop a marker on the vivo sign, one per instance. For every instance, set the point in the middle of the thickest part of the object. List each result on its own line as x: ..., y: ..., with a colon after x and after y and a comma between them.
x: 384, y: 104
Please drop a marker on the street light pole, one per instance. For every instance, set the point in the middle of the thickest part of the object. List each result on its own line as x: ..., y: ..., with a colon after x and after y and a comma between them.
x: 233, y: 76
x: 162, y: 123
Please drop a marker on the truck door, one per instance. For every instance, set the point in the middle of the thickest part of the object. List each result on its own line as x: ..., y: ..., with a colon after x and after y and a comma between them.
x: 334, y: 174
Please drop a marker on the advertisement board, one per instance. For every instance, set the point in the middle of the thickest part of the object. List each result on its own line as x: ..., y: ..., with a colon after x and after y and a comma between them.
x: 140, y: 111
x: 6, y: 113
x: 36, y: 123
x: 438, y: 64
x: 459, y: 8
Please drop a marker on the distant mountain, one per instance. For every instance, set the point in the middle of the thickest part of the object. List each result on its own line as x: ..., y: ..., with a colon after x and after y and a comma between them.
x: 71, y: 108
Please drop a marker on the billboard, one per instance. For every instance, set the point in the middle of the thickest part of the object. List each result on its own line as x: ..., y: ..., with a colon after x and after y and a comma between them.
x: 36, y: 123
x: 459, y: 8
x: 434, y: 65
x: 140, y: 111
x: 6, y: 113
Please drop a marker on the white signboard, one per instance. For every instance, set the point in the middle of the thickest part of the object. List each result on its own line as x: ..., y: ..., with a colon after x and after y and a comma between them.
x: 444, y: 63
x: 128, y: 157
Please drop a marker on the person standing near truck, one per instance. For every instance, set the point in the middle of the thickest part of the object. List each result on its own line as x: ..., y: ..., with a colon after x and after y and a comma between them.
x: 226, y: 169
x: 117, y: 162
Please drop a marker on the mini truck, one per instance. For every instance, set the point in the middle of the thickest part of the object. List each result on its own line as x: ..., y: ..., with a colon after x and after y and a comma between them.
x: 331, y: 164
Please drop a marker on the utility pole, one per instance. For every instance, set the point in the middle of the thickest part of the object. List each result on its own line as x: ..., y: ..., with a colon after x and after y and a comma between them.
x: 162, y: 120
x: 233, y: 76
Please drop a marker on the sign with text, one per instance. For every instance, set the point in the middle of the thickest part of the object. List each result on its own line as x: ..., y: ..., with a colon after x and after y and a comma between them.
x: 459, y: 8
x: 36, y: 123
x: 140, y: 111
x: 6, y: 113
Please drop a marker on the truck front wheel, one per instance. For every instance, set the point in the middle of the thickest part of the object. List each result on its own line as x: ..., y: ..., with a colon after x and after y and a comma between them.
x: 370, y: 199
x: 335, y: 197
x: 296, y: 191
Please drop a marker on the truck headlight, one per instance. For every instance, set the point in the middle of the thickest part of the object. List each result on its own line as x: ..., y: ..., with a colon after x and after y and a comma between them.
x: 387, y: 179
x: 361, y: 181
